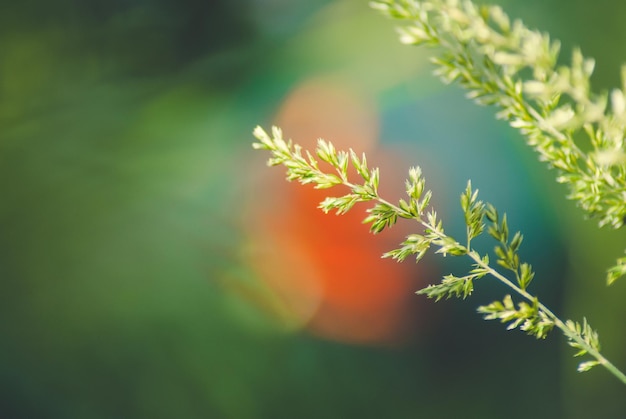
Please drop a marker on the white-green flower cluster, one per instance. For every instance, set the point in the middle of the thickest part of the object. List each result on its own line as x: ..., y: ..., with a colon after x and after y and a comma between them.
x: 506, y: 64
x: 589, y: 336
x: 530, y: 315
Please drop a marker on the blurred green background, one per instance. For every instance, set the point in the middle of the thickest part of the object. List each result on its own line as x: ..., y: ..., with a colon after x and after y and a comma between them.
x: 137, y: 226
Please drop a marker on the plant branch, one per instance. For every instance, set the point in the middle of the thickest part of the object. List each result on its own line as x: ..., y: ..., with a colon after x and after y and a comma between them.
x: 504, y: 63
x: 534, y: 318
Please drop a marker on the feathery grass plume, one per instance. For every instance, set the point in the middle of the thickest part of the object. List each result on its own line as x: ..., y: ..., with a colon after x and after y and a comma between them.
x: 531, y: 315
x: 503, y: 63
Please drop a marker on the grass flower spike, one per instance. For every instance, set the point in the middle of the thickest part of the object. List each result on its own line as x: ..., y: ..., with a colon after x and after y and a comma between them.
x: 530, y: 315
x: 504, y: 64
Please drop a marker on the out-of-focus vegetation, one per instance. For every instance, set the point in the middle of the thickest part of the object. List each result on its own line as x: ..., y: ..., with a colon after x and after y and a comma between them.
x: 145, y: 267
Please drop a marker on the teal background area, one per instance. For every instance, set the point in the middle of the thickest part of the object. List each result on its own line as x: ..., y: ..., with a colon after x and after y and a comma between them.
x: 129, y: 188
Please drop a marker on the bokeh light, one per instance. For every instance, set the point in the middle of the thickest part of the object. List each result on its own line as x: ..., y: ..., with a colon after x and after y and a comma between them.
x: 328, y: 268
x: 152, y: 266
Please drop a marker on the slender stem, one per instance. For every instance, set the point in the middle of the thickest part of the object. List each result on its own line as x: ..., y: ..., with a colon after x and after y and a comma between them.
x: 557, y: 322
x: 590, y: 350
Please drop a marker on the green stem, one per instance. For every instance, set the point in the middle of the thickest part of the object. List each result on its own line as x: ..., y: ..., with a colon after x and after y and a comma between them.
x: 557, y: 322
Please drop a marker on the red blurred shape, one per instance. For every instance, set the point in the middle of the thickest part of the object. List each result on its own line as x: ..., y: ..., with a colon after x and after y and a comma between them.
x: 331, y: 274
